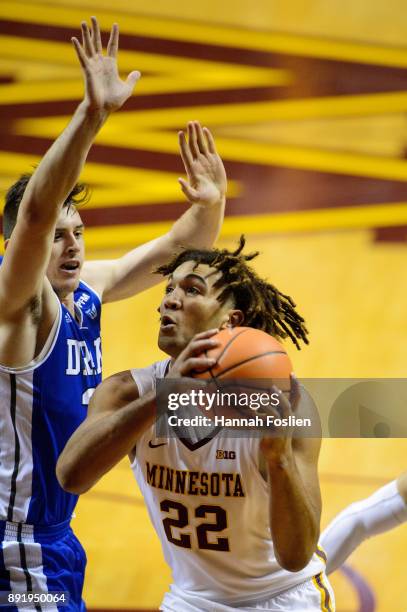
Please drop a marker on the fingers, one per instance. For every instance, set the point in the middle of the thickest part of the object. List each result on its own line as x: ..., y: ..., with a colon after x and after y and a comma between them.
x: 192, y: 140
x: 79, y: 51
x: 284, y: 406
x: 295, y: 390
x: 86, y: 39
x: 193, y: 358
x: 113, y: 44
x: 202, y: 143
x: 209, y: 140
x: 190, y: 193
x: 96, y: 37
x: 196, y: 347
x: 185, y: 153
x: 198, y: 140
x: 196, y: 364
x: 92, y: 44
x: 195, y: 350
x: 133, y: 78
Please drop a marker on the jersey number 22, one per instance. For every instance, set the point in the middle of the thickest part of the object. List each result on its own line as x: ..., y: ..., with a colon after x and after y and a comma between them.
x: 181, y: 520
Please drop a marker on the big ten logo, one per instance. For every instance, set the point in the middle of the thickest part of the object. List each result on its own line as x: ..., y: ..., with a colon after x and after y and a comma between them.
x: 224, y: 454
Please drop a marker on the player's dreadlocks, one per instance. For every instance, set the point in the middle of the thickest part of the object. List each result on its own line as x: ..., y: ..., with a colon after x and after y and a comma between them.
x: 263, y: 305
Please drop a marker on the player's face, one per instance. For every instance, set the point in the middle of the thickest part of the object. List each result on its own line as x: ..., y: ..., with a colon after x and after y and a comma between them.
x: 67, y: 252
x: 190, y: 306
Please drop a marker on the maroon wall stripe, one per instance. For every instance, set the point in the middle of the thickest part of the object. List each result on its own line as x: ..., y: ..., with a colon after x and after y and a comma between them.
x: 266, y: 189
x: 336, y: 76
x: 141, y: 101
x: 391, y: 234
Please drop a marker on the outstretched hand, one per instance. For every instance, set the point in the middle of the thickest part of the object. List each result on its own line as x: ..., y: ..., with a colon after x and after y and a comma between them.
x: 104, y: 89
x: 206, y: 174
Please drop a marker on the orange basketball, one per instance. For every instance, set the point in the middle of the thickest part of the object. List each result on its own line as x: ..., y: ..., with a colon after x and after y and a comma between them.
x: 246, y: 352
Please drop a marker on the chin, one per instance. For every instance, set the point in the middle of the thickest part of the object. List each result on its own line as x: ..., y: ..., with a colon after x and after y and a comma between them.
x: 169, y: 346
x: 64, y: 289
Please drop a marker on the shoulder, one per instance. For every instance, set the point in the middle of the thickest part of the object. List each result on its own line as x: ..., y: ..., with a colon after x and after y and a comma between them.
x: 85, y: 292
x: 146, y: 378
x: 97, y: 274
x: 122, y: 384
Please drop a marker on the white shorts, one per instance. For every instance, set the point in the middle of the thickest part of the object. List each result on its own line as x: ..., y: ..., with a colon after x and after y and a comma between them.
x: 314, y: 595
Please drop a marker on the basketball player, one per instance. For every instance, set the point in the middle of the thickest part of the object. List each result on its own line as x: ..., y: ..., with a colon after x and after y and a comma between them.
x: 50, y: 348
x: 238, y: 519
x: 382, y: 511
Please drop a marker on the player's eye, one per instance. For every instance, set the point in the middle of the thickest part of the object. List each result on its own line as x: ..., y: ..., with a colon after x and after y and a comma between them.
x: 193, y: 290
x: 168, y: 290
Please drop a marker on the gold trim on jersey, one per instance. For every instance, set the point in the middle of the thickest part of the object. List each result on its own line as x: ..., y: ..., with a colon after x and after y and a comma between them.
x: 326, y: 604
x: 320, y: 552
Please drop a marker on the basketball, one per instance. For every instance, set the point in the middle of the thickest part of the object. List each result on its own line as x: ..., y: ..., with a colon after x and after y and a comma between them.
x: 246, y: 352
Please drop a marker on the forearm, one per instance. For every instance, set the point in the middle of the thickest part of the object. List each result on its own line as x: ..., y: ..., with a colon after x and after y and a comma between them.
x: 382, y: 511
x: 99, y: 444
x: 294, y: 516
x: 60, y: 168
x: 199, y: 226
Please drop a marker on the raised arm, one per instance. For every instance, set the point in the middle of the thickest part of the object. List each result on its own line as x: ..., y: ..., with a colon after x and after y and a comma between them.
x: 295, y: 499
x: 22, y: 274
x: 198, y: 227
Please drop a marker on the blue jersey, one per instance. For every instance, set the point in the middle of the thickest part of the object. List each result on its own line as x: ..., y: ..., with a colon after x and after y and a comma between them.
x: 42, y: 404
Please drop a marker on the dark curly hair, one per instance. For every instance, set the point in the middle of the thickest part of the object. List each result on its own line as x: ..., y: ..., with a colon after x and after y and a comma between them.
x: 263, y: 305
x: 78, y: 195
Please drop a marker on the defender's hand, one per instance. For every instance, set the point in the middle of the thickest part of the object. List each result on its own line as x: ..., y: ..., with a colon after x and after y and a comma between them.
x: 206, y: 174
x: 104, y: 89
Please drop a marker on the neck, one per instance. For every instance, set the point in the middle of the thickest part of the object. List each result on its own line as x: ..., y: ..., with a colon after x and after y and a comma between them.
x: 68, y: 302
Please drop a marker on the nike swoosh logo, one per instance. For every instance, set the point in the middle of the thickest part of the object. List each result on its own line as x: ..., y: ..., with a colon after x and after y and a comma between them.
x: 151, y: 445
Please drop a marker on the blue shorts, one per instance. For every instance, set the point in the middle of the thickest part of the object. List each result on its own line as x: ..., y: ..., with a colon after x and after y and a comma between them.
x: 42, y: 559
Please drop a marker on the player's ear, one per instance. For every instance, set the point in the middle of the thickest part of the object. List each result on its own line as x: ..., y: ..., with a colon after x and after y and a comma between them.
x: 236, y: 318
x: 6, y: 243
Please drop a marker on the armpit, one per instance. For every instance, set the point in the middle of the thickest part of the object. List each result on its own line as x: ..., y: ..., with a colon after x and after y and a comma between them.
x: 35, y: 307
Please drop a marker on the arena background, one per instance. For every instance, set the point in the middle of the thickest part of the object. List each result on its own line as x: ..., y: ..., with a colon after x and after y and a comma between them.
x: 307, y: 101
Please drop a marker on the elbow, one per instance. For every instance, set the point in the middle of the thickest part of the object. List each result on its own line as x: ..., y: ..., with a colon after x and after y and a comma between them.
x: 34, y: 216
x: 294, y: 562
x: 299, y: 556
x: 70, y: 479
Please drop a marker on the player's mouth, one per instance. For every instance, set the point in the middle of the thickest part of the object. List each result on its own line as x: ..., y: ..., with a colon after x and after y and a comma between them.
x: 70, y: 267
x: 167, y: 323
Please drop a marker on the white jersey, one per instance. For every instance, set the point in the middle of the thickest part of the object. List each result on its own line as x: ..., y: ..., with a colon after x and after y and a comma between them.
x: 209, y: 505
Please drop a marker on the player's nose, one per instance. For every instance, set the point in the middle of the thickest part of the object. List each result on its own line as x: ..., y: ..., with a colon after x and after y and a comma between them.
x: 172, y: 300
x: 73, y: 245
